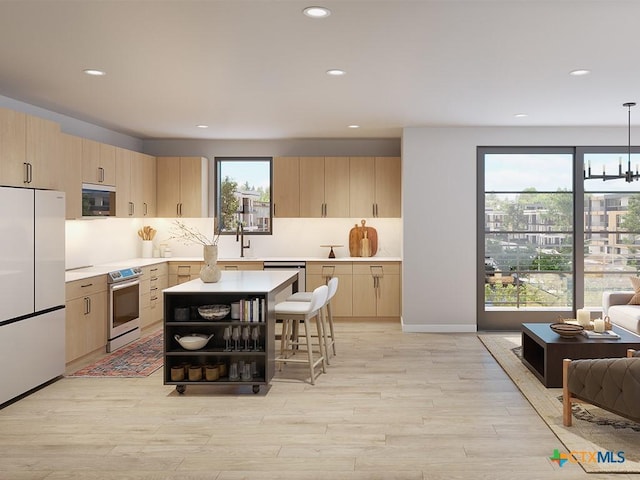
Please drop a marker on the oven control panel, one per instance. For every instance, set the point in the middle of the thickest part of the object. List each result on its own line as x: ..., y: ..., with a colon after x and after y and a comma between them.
x: 124, y: 274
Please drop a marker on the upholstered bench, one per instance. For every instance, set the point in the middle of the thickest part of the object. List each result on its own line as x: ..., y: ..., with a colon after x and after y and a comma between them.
x: 609, y: 383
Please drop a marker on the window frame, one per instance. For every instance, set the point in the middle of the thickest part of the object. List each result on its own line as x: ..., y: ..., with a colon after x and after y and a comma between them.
x: 504, y: 319
x: 218, y: 163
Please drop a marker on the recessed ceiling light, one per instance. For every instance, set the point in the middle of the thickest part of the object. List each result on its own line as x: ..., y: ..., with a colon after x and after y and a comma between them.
x: 336, y: 72
x: 521, y: 115
x: 94, y: 72
x: 316, y: 12
x: 354, y: 126
x: 579, y: 72
x: 202, y: 126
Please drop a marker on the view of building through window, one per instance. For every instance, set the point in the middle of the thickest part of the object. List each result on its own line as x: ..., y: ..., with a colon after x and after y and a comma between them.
x: 611, y: 228
x: 243, y: 191
x: 528, y: 230
x: 539, y: 255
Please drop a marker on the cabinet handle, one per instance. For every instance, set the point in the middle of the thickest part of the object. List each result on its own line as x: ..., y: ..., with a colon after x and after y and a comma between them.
x: 274, y: 210
x: 154, y: 298
x: 145, y: 210
x: 177, y: 209
x: 86, y: 285
x: 153, y: 288
x: 377, y: 214
x: 87, y: 305
x: 153, y: 269
x: 28, y: 172
x: 100, y: 174
x: 153, y: 279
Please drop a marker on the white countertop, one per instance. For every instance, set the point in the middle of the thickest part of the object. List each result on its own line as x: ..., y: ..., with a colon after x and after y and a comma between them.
x: 243, y: 281
x: 103, y: 269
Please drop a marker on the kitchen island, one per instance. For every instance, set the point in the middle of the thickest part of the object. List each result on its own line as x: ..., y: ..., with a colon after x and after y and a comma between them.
x: 246, y: 339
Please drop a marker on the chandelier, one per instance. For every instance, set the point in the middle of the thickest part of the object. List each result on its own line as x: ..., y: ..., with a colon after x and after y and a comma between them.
x: 629, y: 175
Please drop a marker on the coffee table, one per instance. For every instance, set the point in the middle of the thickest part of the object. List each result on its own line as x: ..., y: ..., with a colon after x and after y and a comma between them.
x: 543, y: 350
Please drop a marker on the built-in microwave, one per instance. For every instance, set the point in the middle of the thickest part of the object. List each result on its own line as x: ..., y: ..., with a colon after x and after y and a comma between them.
x: 98, y: 200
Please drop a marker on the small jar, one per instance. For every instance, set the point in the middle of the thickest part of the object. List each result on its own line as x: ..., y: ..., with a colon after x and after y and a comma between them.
x: 177, y: 373
x: 195, y: 373
x: 211, y: 373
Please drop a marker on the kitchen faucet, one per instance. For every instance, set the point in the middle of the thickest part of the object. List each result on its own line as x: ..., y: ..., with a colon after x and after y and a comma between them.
x: 240, y: 236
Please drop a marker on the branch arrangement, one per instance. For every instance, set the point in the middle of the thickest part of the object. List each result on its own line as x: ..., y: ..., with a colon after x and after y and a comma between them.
x: 188, y: 235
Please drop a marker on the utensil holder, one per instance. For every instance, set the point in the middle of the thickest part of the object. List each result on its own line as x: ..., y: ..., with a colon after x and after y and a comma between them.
x: 147, y: 249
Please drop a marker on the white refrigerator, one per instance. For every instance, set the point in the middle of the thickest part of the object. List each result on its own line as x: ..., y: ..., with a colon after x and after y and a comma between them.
x: 32, y: 289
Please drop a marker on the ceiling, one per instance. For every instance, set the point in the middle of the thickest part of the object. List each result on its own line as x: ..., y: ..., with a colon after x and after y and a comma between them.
x: 256, y: 69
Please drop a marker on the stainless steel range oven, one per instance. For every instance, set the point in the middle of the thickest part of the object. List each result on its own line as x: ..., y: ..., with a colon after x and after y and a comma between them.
x: 124, y: 307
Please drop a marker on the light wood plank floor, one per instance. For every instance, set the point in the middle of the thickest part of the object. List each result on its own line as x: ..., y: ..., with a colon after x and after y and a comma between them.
x: 391, y: 406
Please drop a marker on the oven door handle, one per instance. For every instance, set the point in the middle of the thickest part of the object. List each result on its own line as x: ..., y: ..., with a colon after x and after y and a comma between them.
x: 120, y: 286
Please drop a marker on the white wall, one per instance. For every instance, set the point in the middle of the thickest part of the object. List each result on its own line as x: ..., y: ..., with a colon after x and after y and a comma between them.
x: 439, y: 212
x: 109, y: 240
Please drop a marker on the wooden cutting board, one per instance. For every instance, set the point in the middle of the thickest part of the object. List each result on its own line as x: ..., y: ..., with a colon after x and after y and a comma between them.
x: 357, y: 234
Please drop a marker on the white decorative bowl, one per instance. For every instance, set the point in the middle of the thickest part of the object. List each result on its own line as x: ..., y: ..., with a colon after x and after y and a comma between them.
x: 214, y: 312
x: 194, y: 341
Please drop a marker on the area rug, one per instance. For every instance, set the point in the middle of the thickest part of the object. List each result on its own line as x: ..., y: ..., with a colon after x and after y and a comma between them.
x: 593, y: 430
x: 138, y: 359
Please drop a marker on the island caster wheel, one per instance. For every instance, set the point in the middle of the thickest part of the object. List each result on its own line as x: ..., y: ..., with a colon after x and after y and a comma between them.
x: 256, y: 388
x: 181, y: 389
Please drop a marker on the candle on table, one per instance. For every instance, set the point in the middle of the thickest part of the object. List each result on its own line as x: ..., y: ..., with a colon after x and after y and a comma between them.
x: 598, y: 325
x: 584, y: 317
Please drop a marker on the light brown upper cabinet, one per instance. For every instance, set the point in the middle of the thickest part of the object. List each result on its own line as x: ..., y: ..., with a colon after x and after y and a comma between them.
x: 98, y: 163
x: 43, y: 154
x: 286, y: 187
x: 30, y: 151
x: 375, y: 186
x: 324, y: 187
x: 71, y: 153
x: 181, y: 187
x: 13, y: 146
x: 128, y: 184
x: 148, y: 169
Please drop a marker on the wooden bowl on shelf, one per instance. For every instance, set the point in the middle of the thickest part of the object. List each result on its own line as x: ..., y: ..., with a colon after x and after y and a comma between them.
x: 566, y: 330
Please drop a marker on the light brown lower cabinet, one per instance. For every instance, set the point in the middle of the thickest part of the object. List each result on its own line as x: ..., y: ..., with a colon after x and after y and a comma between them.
x: 365, y: 289
x: 319, y: 273
x: 376, y: 289
x: 153, y: 280
x: 180, y: 272
x: 249, y: 265
x: 86, y: 317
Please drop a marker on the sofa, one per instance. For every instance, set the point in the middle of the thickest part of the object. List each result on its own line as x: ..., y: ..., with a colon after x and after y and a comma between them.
x: 609, y: 383
x: 615, y: 306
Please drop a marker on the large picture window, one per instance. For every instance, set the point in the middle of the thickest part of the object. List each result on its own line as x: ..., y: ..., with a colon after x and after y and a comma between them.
x: 527, y: 237
x: 549, y: 240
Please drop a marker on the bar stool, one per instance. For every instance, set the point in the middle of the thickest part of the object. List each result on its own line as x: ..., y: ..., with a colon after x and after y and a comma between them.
x: 294, y: 313
x: 329, y: 338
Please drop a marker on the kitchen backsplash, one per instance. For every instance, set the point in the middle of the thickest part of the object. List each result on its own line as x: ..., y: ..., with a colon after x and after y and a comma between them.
x: 107, y: 240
